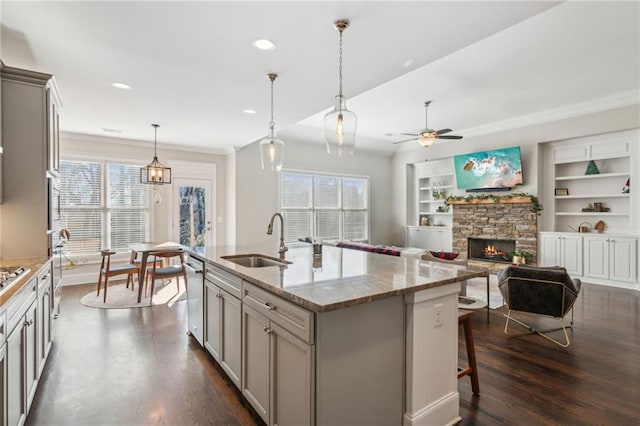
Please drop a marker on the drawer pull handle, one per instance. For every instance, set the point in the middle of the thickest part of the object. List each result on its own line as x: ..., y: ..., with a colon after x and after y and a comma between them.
x: 267, y: 306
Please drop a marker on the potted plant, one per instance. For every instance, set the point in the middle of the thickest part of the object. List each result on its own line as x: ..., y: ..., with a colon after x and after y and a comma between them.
x: 520, y: 257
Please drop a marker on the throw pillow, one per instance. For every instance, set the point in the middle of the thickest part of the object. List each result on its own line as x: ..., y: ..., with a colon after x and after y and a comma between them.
x: 445, y: 255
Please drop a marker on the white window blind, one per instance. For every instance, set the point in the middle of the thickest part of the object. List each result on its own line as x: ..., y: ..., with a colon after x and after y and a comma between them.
x: 103, y: 205
x: 325, y: 207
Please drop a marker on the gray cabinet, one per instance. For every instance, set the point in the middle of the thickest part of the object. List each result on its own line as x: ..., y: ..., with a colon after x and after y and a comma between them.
x: 44, y: 322
x: 223, y: 318
x: 21, y: 355
x: 278, y: 358
x: 29, y: 139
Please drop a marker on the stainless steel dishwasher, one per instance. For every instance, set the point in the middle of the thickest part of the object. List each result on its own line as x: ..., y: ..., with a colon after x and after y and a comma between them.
x: 195, y: 298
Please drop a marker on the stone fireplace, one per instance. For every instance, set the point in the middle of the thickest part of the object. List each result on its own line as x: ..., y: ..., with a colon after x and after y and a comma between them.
x: 505, y: 220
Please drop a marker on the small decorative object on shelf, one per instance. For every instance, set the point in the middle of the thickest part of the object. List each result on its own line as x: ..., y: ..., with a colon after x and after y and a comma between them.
x: 592, y: 169
x: 562, y: 191
x: 520, y: 257
x: 627, y: 186
x: 599, y: 226
x: 589, y: 208
x: 424, y: 221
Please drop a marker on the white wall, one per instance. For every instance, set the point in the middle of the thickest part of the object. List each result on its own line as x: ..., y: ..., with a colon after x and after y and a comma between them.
x: 257, y: 190
x: 527, y: 138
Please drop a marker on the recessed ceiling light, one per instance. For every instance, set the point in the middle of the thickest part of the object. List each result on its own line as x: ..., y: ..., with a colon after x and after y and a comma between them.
x: 264, y: 44
x: 121, y: 85
x: 249, y: 111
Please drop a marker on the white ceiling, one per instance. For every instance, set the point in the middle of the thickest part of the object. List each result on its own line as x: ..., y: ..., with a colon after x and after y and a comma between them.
x: 485, y: 65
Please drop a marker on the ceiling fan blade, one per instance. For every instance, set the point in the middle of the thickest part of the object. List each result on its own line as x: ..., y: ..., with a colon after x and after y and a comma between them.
x: 443, y: 131
x: 406, y: 140
x: 449, y: 137
x: 408, y: 134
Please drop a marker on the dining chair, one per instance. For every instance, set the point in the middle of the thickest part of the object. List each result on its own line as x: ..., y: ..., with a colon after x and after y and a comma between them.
x: 138, y: 262
x: 165, y: 272
x: 107, y: 271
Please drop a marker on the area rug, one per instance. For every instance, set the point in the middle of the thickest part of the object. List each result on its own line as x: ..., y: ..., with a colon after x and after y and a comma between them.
x: 477, y: 288
x: 118, y: 296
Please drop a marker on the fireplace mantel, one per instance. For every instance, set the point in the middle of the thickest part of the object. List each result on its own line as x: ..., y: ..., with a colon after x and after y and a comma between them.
x: 505, y: 200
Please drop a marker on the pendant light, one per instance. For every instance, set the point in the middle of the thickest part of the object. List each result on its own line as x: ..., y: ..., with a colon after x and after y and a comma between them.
x: 155, y: 173
x: 340, y: 124
x: 271, y: 148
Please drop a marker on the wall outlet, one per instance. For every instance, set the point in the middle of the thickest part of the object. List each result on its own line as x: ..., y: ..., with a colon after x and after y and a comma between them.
x: 437, y: 315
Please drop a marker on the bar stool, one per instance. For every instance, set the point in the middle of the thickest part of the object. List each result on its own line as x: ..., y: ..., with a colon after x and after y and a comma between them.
x: 464, y: 318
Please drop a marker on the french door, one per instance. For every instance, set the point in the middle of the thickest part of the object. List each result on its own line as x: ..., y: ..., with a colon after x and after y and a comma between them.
x: 193, y: 201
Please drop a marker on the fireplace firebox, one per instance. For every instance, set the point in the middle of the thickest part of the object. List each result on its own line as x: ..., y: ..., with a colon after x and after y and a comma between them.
x: 490, y: 249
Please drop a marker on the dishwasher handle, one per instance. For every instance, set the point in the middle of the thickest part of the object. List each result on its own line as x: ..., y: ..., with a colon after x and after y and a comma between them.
x: 192, y: 268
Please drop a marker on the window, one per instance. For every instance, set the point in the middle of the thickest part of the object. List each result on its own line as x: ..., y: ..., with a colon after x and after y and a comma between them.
x: 103, y: 205
x: 325, y: 207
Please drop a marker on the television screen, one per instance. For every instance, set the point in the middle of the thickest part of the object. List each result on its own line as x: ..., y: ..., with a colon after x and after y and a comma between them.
x: 495, y: 170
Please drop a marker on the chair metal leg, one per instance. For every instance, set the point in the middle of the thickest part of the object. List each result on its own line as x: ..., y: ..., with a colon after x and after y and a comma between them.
x: 542, y: 333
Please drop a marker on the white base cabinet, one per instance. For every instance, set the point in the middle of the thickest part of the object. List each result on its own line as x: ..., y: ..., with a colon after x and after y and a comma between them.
x: 434, y: 238
x: 561, y: 250
x: 610, y: 258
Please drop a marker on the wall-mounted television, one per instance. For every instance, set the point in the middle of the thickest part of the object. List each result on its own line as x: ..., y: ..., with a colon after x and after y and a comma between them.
x: 484, y: 171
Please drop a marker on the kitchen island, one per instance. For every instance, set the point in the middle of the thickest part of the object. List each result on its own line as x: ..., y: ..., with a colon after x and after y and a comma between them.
x: 349, y: 337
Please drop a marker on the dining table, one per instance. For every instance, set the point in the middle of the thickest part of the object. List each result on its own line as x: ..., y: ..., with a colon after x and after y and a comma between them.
x: 144, y: 249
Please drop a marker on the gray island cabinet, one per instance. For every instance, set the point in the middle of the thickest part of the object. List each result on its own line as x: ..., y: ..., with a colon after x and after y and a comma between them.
x: 346, y: 338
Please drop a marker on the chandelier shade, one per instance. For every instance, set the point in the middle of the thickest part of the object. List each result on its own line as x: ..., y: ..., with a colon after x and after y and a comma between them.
x: 155, y: 173
x: 272, y: 148
x: 340, y: 124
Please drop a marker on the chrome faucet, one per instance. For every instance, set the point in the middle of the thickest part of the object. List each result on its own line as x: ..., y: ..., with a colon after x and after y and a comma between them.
x: 282, y: 248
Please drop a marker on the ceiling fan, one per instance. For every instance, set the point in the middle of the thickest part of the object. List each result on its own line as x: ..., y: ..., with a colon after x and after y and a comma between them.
x: 427, y: 136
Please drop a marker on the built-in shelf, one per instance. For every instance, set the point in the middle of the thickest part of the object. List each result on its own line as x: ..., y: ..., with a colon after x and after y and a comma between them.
x: 432, y: 201
x: 505, y: 200
x: 592, y: 214
x: 436, y: 213
x: 435, y: 227
x: 591, y: 196
x: 597, y: 176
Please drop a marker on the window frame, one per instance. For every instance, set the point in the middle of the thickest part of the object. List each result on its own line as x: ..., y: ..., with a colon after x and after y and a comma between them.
x: 341, y: 209
x: 106, y: 206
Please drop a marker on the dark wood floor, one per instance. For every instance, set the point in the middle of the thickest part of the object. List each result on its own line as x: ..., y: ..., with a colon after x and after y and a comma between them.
x: 137, y: 366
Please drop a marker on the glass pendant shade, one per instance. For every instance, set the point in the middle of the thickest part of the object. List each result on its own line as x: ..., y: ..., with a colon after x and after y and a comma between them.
x: 271, y: 152
x: 426, y: 141
x: 272, y: 148
x: 155, y: 173
x: 340, y: 129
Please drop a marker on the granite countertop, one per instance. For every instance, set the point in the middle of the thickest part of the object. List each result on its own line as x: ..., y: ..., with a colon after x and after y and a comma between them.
x: 33, y: 264
x: 341, y: 277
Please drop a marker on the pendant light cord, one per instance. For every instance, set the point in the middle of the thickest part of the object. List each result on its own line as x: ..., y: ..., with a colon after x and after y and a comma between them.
x: 272, y: 123
x: 155, y: 140
x: 340, y: 68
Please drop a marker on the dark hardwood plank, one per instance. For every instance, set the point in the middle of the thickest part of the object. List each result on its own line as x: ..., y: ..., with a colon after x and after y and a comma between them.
x: 137, y: 366
x: 529, y: 380
x: 131, y: 367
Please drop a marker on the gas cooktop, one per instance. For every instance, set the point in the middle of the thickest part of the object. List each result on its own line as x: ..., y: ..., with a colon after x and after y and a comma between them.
x: 10, y: 275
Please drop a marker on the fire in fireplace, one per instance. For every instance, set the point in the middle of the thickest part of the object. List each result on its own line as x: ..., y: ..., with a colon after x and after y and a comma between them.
x: 490, y: 250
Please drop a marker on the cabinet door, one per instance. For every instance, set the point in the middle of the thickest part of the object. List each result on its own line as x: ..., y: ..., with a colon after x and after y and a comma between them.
x: 31, y: 353
x: 255, y: 360
x: 212, y: 320
x: 571, y: 253
x: 231, y: 333
x: 622, y: 259
x: 596, y: 257
x: 549, y: 250
x: 15, y: 385
x: 44, y: 324
x: 3, y: 382
x: 417, y: 237
x: 291, y: 379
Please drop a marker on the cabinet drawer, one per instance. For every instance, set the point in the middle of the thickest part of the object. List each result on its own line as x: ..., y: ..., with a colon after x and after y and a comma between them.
x: 3, y: 329
x: 224, y: 280
x: 19, y: 303
x: 610, y: 149
x: 44, y: 274
x: 571, y: 153
x: 296, y: 320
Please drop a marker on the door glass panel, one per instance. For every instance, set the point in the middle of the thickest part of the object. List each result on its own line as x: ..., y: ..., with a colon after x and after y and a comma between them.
x: 193, y: 219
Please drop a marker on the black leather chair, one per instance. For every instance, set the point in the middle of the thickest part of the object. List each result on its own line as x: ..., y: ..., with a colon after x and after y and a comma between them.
x: 549, y: 292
